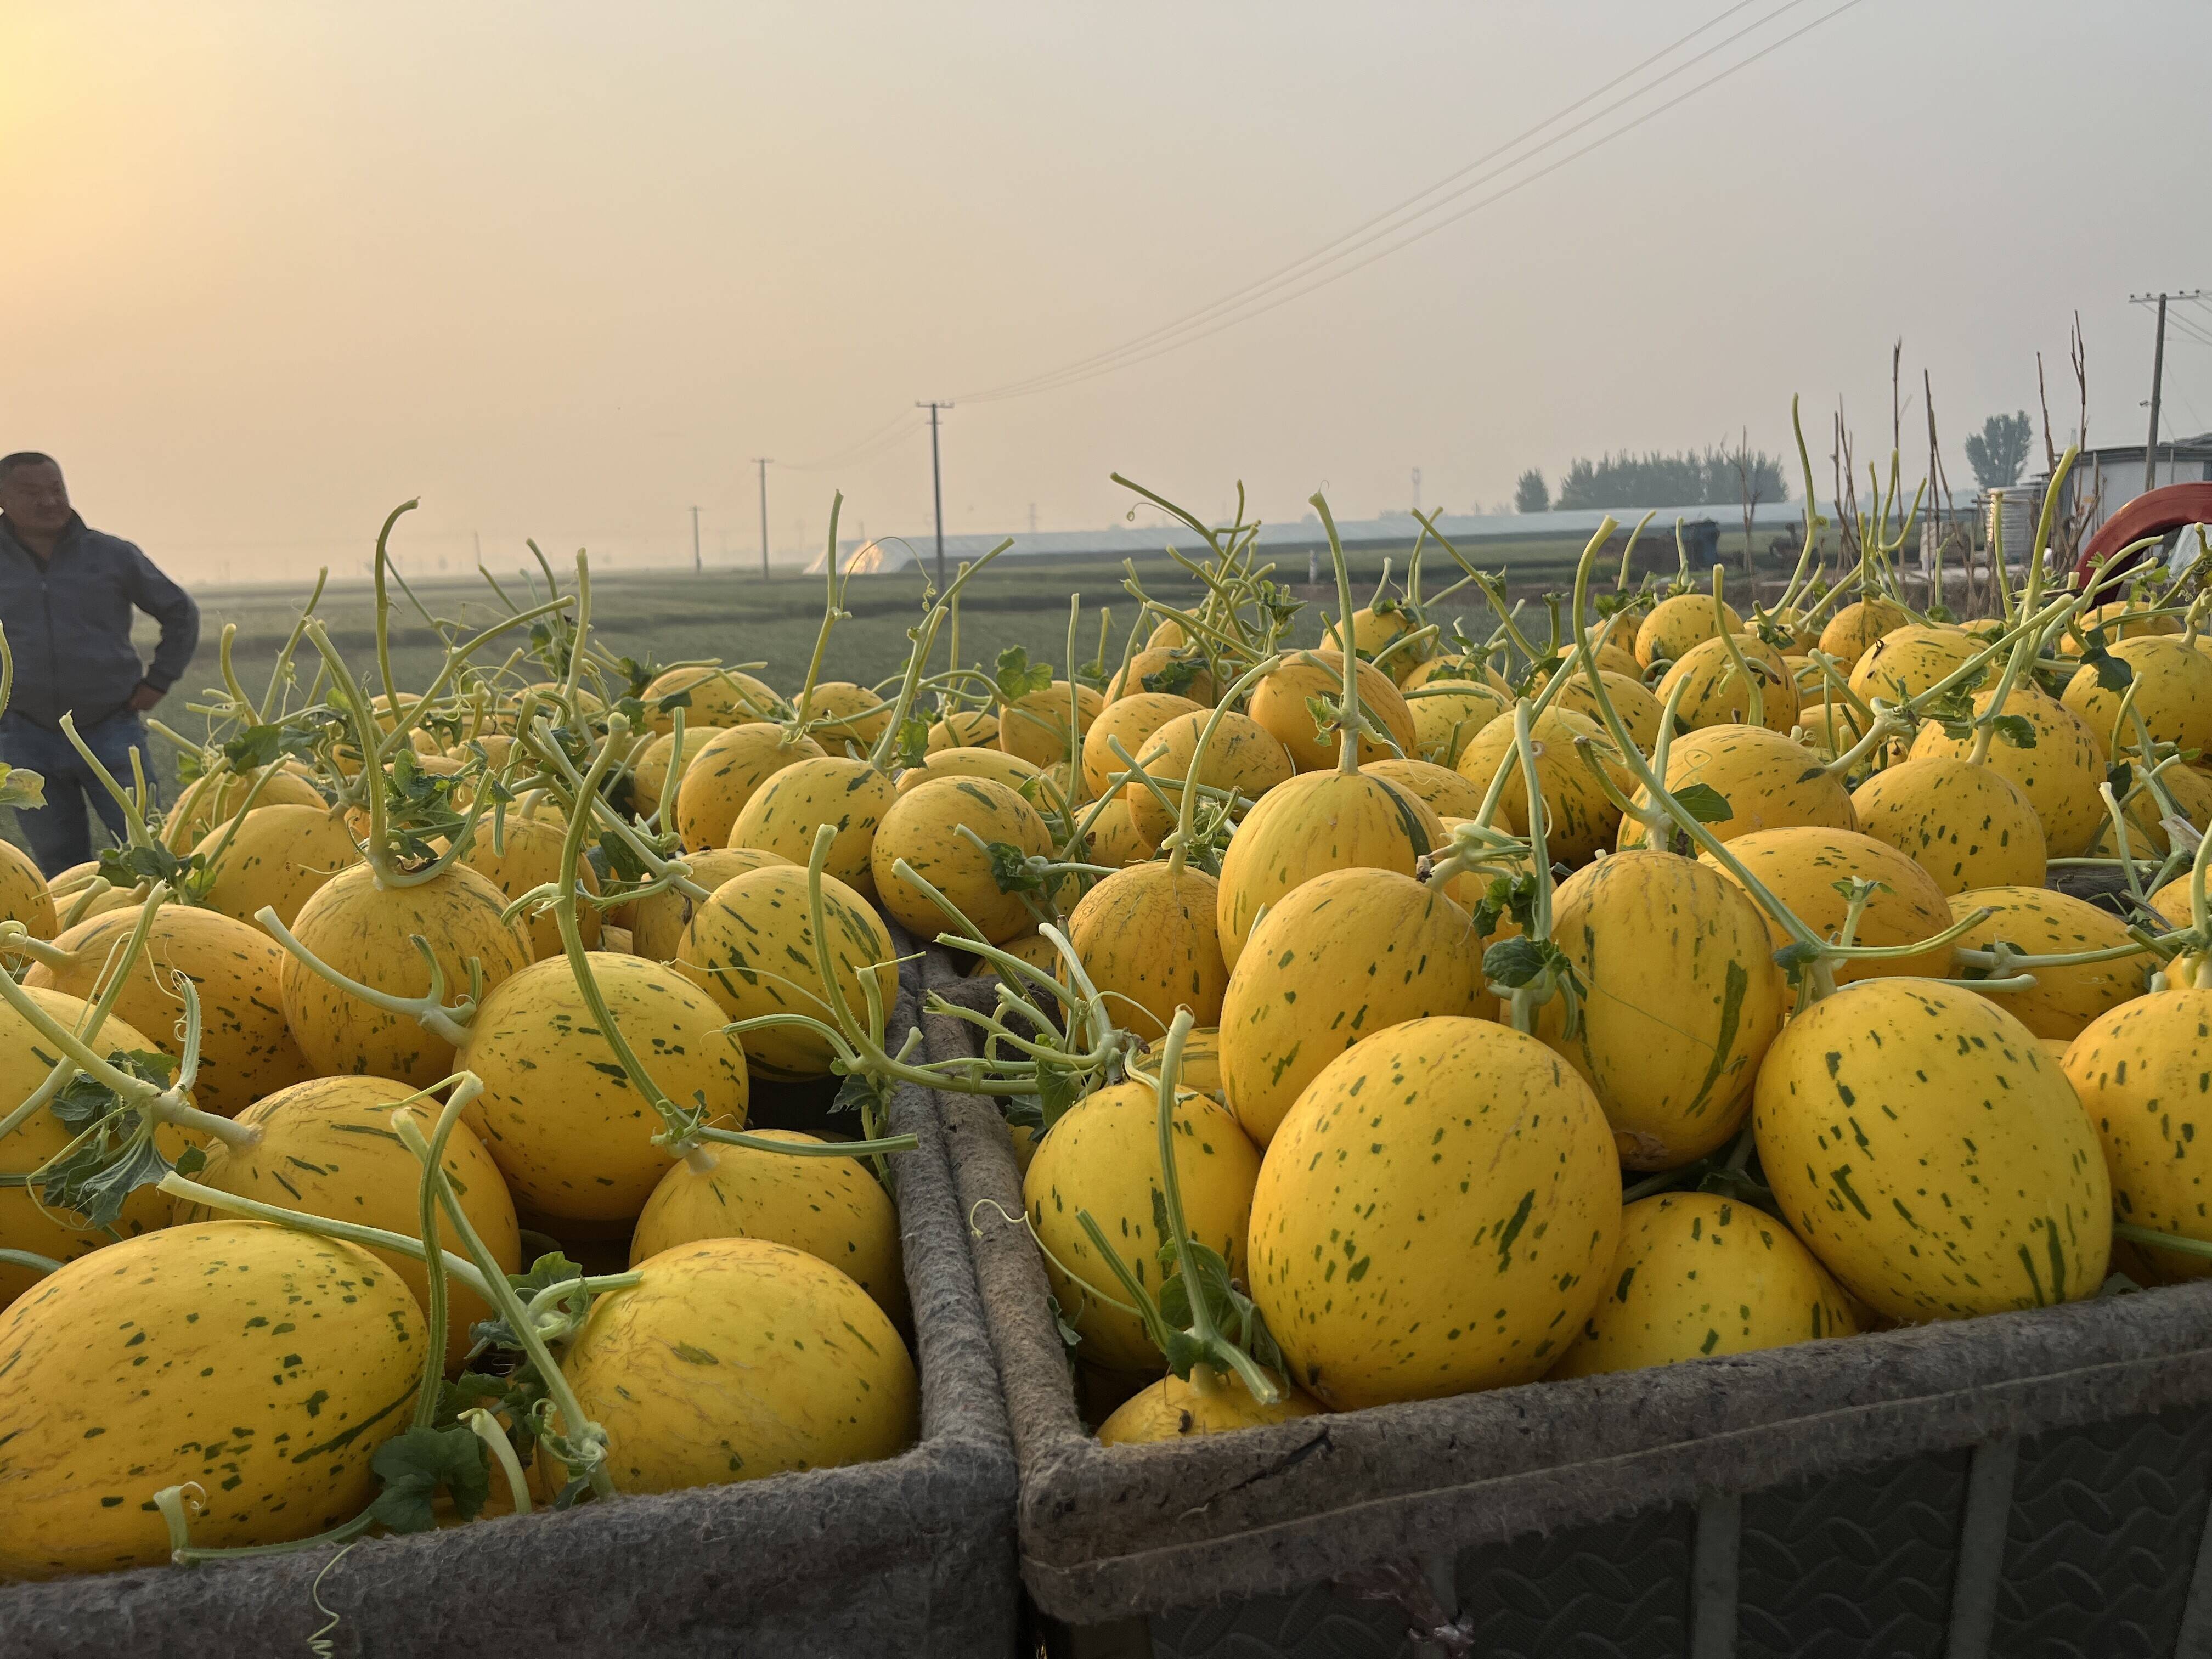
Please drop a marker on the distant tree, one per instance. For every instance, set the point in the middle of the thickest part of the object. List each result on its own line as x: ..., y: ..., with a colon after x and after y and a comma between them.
x: 1999, y: 450
x: 1712, y: 478
x: 1752, y: 481
x: 1531, y: 493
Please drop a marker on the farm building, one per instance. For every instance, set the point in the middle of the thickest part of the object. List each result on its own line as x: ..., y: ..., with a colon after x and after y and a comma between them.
x: 2111, y: 477
x: 1703, y: 524
x: 2104, y: 480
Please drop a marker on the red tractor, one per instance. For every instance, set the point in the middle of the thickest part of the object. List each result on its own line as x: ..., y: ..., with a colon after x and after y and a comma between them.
x: 2152, y: 513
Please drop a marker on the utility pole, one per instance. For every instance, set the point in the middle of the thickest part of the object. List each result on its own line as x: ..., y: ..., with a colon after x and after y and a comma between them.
x: 697, y: 567
x: 2157, y: 380
x: 762, y: 462
x: 2157, y: 376
x: 1417, y: 489
x: 937, y: 487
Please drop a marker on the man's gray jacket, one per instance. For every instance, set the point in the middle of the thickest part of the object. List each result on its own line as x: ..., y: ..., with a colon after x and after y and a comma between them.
x: 68, y: 625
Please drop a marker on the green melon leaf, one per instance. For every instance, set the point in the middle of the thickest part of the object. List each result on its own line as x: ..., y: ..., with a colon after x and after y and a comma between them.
x: 1513, y: 963
x: 1705, y: 803
x: 2113, y: 673
x: 417, y: 1466
x: 1017, y: 676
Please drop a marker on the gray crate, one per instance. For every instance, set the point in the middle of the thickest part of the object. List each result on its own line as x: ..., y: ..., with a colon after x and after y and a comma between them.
x: 914, y: 1555
x: 2026, y: 1484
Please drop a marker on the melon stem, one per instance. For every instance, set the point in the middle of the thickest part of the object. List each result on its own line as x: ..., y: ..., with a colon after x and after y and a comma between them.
x: 1525, y: 997
x: 133, y: 803
x: 2199, y: 915
x: 1493, y: 594
x: 281, y: 668
x: 1405, y: 643
x: 923, y: 643
x: 76, y: 1051
x: 242, y: 705
x: 1754, y: 695
x: 170, y: 1502
x: 78, y: 899
x: 677, y: 1125
x: 1986, y: 729
x: 948, y: 700
x: 465, y: 1089
x: 972, y: 939
x: 1959, y: 929
x: 671, y: 780
x: 1214, y: 1347
x: 1347, y: 747
x: 430, y: 1010
x: 1818, y: 979
x: 832, y: 612
x: 2121, y: 845
x: 482, y: 1425
x: 384, y: 608
x: 1882, y: 721
x: 1651, y: 818
x: 1134, y: 773
x: 578, y: 1431
x: 43, y: 952
x: 258, y: 781
x: 863, y: 1039
x: 239, y: 1136
x: 404, y: 721
x: 2047, y: 520
x: 2156, y: 1240
x: 1074, y: 705
x: 1999, y: 960
x: 351, y: 1232
x: 1814, y: 521
x: 114, y: 975
x: 1861, y: 895
x: 664, y: 872
x: 2167, y: 806
x: 1187, y: 811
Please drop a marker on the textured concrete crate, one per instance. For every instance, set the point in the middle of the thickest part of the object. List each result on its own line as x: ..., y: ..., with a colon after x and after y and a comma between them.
x: 914, y: 1555
x: 2031, y: 1484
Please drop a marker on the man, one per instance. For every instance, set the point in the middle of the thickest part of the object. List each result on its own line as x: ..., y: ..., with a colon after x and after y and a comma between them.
x: 66, y: 595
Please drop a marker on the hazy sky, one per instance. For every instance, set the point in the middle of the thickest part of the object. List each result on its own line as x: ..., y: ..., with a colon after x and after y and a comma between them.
x: 562, y: 269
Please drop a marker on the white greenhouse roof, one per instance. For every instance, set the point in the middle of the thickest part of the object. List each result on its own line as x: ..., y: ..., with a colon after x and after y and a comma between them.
x: 1393, y: 531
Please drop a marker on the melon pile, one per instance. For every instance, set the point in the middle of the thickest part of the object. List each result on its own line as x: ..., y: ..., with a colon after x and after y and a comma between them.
x: 504, y: 959
x: 1490, y: 1008
x: 1461, y: 1009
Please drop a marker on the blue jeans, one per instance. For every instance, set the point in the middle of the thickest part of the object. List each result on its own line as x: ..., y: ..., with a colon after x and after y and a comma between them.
x: 58, y: 832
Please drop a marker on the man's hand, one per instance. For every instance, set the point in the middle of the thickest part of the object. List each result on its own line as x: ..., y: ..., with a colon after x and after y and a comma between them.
x: 144, y: 698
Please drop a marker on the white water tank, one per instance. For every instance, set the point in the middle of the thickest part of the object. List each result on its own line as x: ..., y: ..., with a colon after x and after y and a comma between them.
x: 2013, y: 511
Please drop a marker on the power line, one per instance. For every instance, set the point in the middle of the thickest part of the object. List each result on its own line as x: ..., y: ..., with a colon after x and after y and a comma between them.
x: 1472, y: 207
x: 2157, y: 376
x: 2188, y: 330
x: 1452, y: 186
x: 882, y: 437
x: 1238, y: 306
x: 1336, y: 248
x: 1357, y: 238
x: 2182, y: 324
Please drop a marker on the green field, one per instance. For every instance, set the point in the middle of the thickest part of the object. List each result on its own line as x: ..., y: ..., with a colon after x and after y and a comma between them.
x: 675, y: 615
x: 672, y: 616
